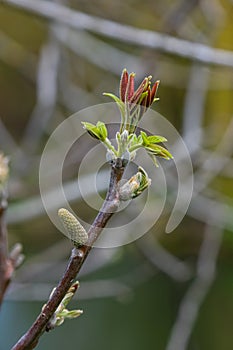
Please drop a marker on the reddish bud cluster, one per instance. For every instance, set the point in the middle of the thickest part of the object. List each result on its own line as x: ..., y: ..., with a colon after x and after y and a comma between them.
x: 144, y: 95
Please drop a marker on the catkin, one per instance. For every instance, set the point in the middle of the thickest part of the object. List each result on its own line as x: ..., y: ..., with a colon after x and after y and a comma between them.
x: 75, y: 230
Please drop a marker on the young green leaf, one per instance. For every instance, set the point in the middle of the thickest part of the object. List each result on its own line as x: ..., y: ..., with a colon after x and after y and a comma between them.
x: 144, y: 138
x: 98, y: 131
x: 159, y: 151
x: 133, y: 139
x: 92, y: 130
x: 102, y: 130
x: 156, y: 139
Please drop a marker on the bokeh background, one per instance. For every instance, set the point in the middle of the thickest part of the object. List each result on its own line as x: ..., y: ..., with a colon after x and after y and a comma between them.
x: 164, y: 292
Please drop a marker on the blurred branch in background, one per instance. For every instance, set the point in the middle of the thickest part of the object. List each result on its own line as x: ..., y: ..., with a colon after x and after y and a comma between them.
x: 45, y: 104
x: 15, y: 55
x: 8, y: 262
x: 52, y: 262
x: 46, y: 95
x: 33, y: 207
x: 194, y: 104
x: 163, y: 260
x: 177, y: 14
x: 106, y: 56
x: 5, y: 266
x: 197, y: 291
x: 121, y: 287
x: 132, y: 35
x: 212, y: 165
x: 7, y: 141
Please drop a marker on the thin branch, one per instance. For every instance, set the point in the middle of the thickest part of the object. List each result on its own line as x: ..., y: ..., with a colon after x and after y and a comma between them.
x: 214, y: 12
x: 46, y: 94
x: 163, y: 260
x: 6, y: 139
x: 30, y: 339
x: 8, y: 262
x: 178, y: 14
x: 197, y: 291
x: 97, y: 289
x: 120, y: 286
x: 54, y: 260
x: 224, y: 147
x: 5, y: 270
x: 194, y: 104
x: 106, y: 56
x: 125, y: 33
x: 71, y: 96
x: 16, y: 56
x: 33, y: 207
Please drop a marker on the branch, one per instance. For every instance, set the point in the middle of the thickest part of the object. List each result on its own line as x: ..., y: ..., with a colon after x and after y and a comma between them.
x: 30, y: 339
x: 124, y: 33
x: 8, y: 262
x: 197, y: 291
x: 5, y: 270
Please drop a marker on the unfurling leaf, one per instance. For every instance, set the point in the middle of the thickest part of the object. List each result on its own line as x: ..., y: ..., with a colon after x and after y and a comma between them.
x: 102, y: 130
x: 61, y: 312
x: 151, y: 139
x: 158, y: 151
x: 98, y: 131
x: 156, y: 139
x: 135, y: 185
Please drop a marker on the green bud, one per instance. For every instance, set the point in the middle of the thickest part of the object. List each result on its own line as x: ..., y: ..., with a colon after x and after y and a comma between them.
x: 102, y: 130
x: 98, y: 131
x: 122, y: 141
x: 61, y: 312
x: 74, y: 313
x: 144, y: 181
x: 135, y: 185
x: 124, y: 137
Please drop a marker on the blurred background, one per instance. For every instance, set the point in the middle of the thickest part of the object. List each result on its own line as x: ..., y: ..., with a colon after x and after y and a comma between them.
x: 168, y: 292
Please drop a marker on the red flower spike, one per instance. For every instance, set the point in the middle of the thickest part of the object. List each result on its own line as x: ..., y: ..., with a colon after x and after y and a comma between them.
x: 123, y: 84
x: 144, y: 104
x: 130, y: 88
x: 133, y: 104
x: 153, y: 91
x: 148, y: 100
x: 142, y: 88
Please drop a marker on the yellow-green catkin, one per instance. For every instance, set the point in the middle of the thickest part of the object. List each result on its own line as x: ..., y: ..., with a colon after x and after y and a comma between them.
x: 75, y: 230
